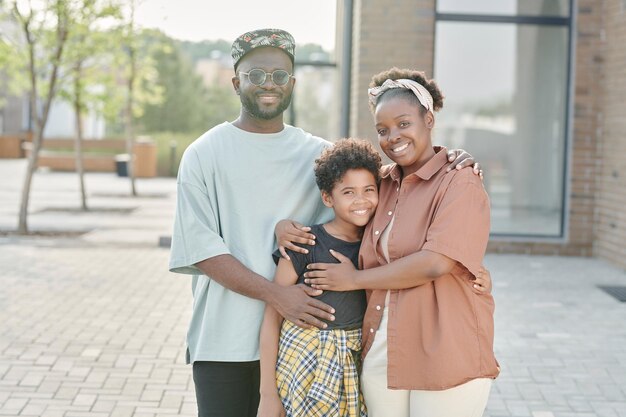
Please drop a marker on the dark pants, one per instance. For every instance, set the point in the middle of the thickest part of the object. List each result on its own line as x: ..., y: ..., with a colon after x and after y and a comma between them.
x: 227, y: 389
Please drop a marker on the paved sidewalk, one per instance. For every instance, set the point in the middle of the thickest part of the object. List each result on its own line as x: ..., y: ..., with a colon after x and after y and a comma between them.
x: 114, y: 216
x: 92, y: 332
x: 94, y: 325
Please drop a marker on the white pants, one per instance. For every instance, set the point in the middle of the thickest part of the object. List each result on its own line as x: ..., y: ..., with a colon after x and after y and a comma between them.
x: 465, y: 400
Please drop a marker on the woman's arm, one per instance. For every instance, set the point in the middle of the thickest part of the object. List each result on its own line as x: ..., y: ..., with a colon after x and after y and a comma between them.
x: 410, y: 271
x: 270, y: 405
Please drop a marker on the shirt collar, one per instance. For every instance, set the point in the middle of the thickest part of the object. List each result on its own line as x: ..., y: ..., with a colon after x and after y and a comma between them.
x: 430, y: 168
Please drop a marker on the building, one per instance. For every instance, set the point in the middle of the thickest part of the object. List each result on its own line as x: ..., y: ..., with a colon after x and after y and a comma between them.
x: 534, y: 90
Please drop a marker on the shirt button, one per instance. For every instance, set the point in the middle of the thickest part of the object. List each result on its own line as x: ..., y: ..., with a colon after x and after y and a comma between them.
x: 390, y: 213
x: 377, y: 307
x: 376, y: 232
x: 371, y: 330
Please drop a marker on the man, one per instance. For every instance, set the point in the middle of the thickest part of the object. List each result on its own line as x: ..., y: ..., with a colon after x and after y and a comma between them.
x: 234, y: 183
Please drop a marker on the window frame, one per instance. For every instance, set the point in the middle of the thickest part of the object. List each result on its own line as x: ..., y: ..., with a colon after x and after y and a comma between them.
x: 568, y: 23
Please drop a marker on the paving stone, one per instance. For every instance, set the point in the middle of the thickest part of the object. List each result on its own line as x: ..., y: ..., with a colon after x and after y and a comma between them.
x: 84, y: 399
x: 33, y: 410
x: 14, y: 404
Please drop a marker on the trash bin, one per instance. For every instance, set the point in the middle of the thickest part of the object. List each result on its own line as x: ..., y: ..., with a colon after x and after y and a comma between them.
x: 121, y: 164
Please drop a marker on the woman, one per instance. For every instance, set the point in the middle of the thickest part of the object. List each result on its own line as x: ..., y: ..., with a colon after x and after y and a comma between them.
x: 427, y: 335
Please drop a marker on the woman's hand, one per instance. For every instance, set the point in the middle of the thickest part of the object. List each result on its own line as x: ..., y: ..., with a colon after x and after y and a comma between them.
x: 459, y: 158
x: 483, y: 283
x: 270, y: 406
x: 332, y: 277
x: 289, y: 232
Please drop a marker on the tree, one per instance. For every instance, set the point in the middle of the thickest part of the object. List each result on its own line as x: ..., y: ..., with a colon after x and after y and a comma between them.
x: 87, y: 59
x: 12, y: 77
x: 182, y: 90
x: 45, y: 30
x: 187, y: 106
x: 203, y: 49
x: 141, y: 88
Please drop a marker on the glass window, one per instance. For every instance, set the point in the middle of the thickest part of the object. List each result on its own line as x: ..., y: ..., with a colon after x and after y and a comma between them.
x: 506, y: 7
x: 506, y: 99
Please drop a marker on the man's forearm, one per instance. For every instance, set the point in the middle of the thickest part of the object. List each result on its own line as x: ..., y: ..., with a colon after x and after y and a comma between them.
x: 407, y: 272
x: 232, y: 274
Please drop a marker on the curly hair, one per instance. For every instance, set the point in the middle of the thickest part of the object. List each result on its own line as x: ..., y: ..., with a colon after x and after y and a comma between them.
x: 395, y: 73
x: 345, y: 154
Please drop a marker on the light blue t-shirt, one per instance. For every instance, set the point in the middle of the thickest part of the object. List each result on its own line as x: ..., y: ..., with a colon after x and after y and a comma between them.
x: 233, y: 187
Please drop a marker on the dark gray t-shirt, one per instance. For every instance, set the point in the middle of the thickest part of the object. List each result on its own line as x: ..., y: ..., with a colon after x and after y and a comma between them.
x: 349, y: 305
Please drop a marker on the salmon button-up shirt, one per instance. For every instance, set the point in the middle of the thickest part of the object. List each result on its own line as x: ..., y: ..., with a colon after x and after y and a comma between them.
x: 439, y: 334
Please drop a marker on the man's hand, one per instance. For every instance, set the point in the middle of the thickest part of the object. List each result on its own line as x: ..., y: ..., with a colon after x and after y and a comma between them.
x: 332, y: 277
x: 289, y: 232
x: 459, y: 159
x: 296, y: 304
x: 482, y: 283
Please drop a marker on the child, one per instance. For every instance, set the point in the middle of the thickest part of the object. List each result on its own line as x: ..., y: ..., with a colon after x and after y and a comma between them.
x: 308, y: 371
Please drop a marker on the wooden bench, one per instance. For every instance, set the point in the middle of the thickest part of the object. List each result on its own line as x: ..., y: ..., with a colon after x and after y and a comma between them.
x: 11, y: 145
x: 99, y: 155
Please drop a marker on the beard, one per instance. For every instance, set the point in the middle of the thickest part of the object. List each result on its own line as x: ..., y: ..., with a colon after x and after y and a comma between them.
x: 250, y: 105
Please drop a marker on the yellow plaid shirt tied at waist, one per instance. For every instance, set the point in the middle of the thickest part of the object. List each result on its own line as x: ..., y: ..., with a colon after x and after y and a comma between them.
x: 316, y: 372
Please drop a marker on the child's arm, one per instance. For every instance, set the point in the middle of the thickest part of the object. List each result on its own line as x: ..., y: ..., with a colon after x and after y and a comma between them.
x: 270, y: 405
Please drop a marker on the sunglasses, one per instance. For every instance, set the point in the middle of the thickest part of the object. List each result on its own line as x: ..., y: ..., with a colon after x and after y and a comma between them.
x: 258, y: 77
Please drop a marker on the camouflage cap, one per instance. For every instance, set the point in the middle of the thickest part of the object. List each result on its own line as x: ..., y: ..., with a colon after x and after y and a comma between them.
x: 276, y: 38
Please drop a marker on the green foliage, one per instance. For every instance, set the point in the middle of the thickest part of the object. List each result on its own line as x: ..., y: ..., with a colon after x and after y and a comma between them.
x: 38, y: 37
x: 203, y: 49
x: 222, y: 105
x: 182, y: 90
x: 311, y: 52
x: 13, y: 79
x: 90, y: 83
x: 133, y: 57
x: 187, y: 104
x: 170, y: 148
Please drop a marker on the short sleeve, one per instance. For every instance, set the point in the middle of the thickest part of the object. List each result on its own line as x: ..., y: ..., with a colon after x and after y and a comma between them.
x: 196, y: 235
x: 460, y: 228
x: 298, y: 260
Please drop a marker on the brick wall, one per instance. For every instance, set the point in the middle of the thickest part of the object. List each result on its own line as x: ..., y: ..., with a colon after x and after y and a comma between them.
x: 610, y: 207
x: 387, y: 33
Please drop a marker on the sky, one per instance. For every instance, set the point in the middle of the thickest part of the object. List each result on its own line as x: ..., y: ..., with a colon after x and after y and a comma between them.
x: 309, y: 21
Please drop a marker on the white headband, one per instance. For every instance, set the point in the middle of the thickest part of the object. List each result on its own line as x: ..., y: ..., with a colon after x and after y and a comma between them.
x: 420, y: 92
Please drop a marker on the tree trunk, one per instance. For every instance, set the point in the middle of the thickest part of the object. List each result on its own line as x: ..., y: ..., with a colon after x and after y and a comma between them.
x: 79, y: 136
x: 130, y: 140
x: 130, y: 128
x: 40, y: 120
x: 22, y: 226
